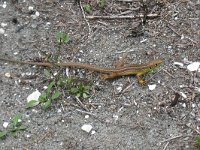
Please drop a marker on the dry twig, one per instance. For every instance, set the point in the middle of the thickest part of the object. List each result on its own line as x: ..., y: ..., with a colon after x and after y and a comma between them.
x: 122, y: 17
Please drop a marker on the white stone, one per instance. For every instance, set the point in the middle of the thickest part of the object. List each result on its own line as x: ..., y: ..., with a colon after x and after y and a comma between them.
x: 15, y: 53
x: 34, y: 96
x: 152, y: 87
x: 184, y: 105
x: 183, y: 95
x: 116, y: 117
x: 87, y: 116
x: 5, y: 124
x: 45, y: 87
x: 4, y: 5
x: 93, y: 132
x: 7, y: 74
x: 30, y: 7
x: 2, y: 31
x: 4, y: 24
x: 37, y: 13
x: 193, y: 66
x: 119, y: 89
x: 28, y: 135
x: 86, y: 127
x: 178, y: 64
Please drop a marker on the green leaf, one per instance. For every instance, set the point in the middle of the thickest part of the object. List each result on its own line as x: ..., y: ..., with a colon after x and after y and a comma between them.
x: 43, y: 97
x: 47, y: 104
x: 15, y: 120
x: 78, y: 95
x: 87, y: 8
x: 55, y: 95
x: 47, y: 73
x: 62, y: 37
x: 102, y: 3
x: 198, y: 140
x: 50, y: 87
x: 3, y: 134
x: 74, y: 90
x: 32, y: 103
x: 85, y: 95
x: 22, y: 127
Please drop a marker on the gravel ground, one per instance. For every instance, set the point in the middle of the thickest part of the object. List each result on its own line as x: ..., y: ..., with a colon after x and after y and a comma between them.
x: 163, y: 115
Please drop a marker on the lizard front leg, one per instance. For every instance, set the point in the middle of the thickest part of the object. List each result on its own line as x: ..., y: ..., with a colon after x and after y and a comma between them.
x: 140, y: 80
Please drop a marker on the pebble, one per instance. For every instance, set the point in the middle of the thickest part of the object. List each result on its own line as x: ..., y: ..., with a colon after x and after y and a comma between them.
x: 7, y: 74
x: 34, y: 96
x: 183, y: 95
x: 86, y: 127
x: 2, y: 31
x: 30, y: 8
x: 4, y: 5
x: 93, y: 132
x: 152, y: 87
x: 5, y: 124
x: 87, y: 116
x: 178, y: 64
x: 193, y: 66
x: 4, y: 24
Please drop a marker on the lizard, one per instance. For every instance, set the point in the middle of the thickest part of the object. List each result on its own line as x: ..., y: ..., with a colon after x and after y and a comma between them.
x: 108, y: 73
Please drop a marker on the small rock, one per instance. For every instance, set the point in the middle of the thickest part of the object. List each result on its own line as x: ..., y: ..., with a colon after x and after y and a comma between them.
x: 4, y: 24
x: 5, y: 124
x: 86, y: 127
x: 152, y: 87
x: 183, y: 95
x: 30, y: 7
x: 4, y: 5
x: 15, y: 53
x: 7, y: 74
x: 2, y: 31
x: 87, y: 116
x: 37, y: 13
x: 34, y: 96
x: 28, y: 135
x: 184, y: 105
x: 119, y: 89
x: 178, y: 64
x: 93, y: 132
x: 193, y: 66
x: 116, y: 117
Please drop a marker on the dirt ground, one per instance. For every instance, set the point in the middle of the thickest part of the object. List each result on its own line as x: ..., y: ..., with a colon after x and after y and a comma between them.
x: 122, y: 113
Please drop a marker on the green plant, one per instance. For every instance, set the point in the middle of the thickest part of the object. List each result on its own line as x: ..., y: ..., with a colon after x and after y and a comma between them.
x: 198, y: 140
x: 81, y: 91
x: 102, y: 3
x: 87, y: 8
x: 62, y: 38
x: 47, y: 97
x: 14, y: 127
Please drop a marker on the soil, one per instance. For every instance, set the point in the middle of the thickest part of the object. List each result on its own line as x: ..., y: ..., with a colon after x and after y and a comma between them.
x: 122, y: 113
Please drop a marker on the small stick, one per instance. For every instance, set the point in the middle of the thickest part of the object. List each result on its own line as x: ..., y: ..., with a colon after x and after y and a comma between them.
x: 85, y: 17
x: 166, y: 146
x: 122, y: 17
x: 172, y: 138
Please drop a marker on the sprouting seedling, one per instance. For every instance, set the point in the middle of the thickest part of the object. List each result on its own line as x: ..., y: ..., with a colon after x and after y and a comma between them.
x: 87, y: 8
x: 62, y: 38
x: 102, y: 3
x: 46, y: 98
x: 81, y: 91
x: 198, y: 140
x: 14, y: 127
